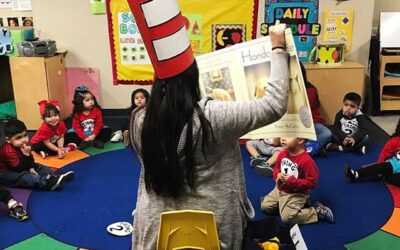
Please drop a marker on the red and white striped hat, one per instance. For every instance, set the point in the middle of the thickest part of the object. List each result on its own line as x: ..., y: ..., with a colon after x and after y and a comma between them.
x: 162, y: 28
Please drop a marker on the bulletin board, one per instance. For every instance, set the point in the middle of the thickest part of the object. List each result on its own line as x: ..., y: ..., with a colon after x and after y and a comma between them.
x: 301, y: 16
x: 211, y: 25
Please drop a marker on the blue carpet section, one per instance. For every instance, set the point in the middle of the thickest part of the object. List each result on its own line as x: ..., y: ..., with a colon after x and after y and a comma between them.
x: 103, y: 192
x: 13, y: 232
x: 360, y: 208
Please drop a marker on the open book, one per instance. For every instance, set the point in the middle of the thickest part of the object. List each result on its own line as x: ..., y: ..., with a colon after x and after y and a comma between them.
x: 241, y: 73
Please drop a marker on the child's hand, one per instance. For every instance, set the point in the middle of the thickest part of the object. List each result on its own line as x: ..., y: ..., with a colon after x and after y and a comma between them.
x: 33, y: 171
x: 285, y: 178
x: 26, y: 150
x: 90, y: 138
x: 351, y: 141
x: 61, y: 153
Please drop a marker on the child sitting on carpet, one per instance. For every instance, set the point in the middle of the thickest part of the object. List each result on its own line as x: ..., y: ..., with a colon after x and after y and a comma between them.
x: 17, y: 166
x: 259, y: 149
x: 49, y: 139
x: 139, y: 98
x: 349, y: 130
x: 16, y: 210
x: 296, y: 174
x: 388, y: 166
x: 87, y: 121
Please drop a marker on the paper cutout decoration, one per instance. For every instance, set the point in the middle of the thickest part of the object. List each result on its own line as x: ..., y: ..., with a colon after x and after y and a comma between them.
x: 98, y: 6
x: 5, y: 42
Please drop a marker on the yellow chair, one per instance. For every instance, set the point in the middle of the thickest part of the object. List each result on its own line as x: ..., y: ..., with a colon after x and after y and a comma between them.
x: 187, y: 229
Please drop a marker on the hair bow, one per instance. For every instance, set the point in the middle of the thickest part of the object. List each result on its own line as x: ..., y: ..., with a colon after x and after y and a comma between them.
x: 81, y: 88
x: 43, y: 103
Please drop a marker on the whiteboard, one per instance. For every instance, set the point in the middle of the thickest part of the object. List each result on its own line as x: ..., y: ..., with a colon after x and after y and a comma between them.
x: 390, y: 29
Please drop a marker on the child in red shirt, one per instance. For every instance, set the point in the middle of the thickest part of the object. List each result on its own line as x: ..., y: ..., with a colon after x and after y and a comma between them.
x: 87, y: 121
x: 296, y: 174
x: 388, y: 166
x: 49, y: 139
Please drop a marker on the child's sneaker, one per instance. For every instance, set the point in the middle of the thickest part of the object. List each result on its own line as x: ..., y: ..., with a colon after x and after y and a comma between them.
x: 98, y: 144
x: 324, y: 212
x: 363, y: 150
x: 126, y: 138
x: 43, y: 154
x: 18, y: 212
x: 350, y: 173
x: 117, y: 136
x: 53, y: 181
x: 333, y: 147
x: 264, y: 169
x: 70, y: 147
x: 68, y: 176
x: 84, y: 145
x: 257, y: 161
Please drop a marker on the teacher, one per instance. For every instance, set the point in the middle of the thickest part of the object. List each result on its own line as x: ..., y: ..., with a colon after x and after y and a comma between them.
x: 189, y: 146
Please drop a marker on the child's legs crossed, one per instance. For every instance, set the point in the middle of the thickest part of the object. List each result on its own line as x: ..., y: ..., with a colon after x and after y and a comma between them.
x: 324, y: 135
x: 37, y: 147
x: 23, y: 179
x: 270, y: 202
x: 292, y: 211
x: 72, y: 137
x: 104, y: 135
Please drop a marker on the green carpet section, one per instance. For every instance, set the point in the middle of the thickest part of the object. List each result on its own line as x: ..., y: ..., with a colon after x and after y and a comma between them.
x: 108, y: 146
x: 379, y: 240
x: 41, y: 241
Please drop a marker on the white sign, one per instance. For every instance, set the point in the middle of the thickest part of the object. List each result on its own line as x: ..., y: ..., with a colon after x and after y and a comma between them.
x: 121, y: 228
x: 297, y: 238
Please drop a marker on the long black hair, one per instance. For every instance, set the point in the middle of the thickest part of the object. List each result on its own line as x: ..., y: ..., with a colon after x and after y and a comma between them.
x: 170, y: 108
x: 79, y: 96
x: 133, y: 105
x: 307, y: 83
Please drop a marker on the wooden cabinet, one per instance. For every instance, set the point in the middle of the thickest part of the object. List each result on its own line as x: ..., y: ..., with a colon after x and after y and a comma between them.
x: 389, y: 94
x: 333, y: 82
x: 35, y: 79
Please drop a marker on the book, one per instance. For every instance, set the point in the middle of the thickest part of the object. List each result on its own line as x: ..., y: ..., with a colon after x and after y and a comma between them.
x: 241, y: 72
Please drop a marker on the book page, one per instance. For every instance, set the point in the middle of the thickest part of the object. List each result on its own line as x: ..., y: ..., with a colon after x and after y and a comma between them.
x: 241, y: 73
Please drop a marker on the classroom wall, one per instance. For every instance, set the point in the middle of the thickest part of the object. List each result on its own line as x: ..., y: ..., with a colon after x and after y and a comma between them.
x: 85, y: 36
x: 384, y: 6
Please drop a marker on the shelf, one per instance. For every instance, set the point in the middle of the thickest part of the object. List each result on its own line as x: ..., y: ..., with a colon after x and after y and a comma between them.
x: 389, y: 86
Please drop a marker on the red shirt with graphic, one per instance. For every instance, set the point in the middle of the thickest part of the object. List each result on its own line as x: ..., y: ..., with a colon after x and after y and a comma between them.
x: 47, y: 132
x: 392, y: 146
x: 302, y: 169
x: 9, y: 156
x: 86, y: 125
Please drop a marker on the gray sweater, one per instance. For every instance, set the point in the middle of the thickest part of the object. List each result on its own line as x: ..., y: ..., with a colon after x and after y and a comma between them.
x: 220, y: 179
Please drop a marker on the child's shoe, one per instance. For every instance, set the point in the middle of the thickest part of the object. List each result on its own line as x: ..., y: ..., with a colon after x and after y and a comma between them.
x: 126, y: 138
x: 84, y: 145
x: 66, y: 177
x: 363, y: 150
x: 70, y: 147
x: 333, y: 147
x: 43, y: 154
x: 351, y: 174
x: 264, y: 169
x: 324, y: 213
x: 98, y: 144
x: 117, y: 136
x: 18, y: 212
x: 257, y: 161
x: 53, y: 181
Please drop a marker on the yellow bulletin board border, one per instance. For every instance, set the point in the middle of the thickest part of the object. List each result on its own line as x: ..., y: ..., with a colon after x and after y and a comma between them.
x: 208, y: 14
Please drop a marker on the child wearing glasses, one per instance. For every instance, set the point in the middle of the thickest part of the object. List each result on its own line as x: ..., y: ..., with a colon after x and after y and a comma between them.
x: 87, y: 121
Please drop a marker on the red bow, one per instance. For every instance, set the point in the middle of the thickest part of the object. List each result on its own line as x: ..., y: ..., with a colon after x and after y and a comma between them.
x: 43, y: 103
